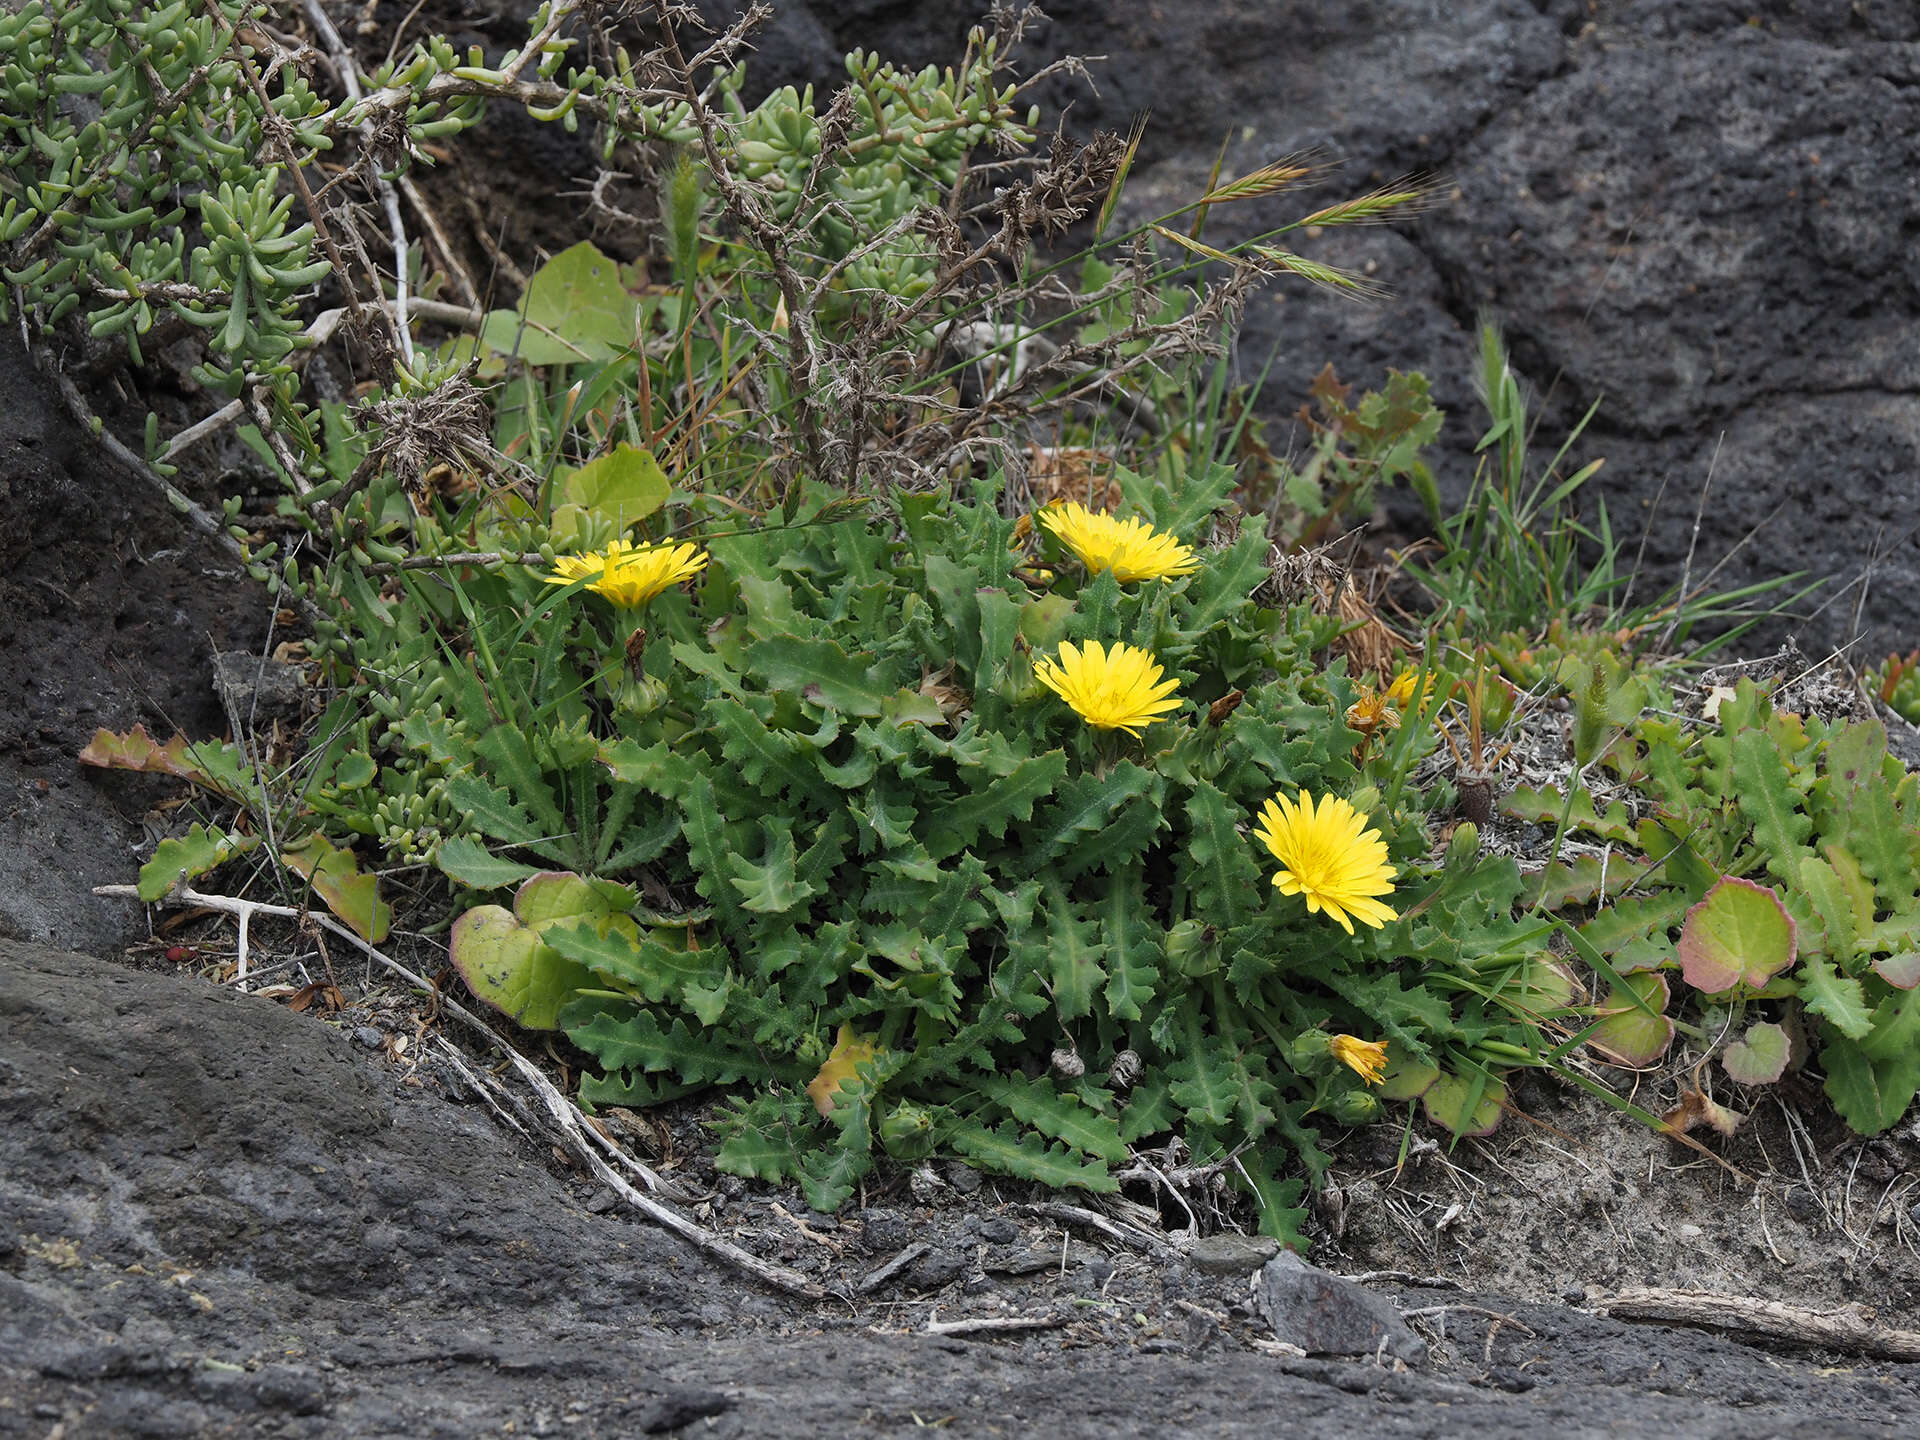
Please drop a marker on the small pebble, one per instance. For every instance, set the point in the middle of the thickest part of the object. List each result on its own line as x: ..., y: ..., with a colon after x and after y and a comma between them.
x: 884, y: 1231
x: 999, y: 1231
x: 369, y: 1037
x: 963, y: 1178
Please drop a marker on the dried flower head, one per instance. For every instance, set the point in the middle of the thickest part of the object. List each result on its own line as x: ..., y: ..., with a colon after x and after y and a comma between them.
x: 1366, y: 1058
x: 1117, y: 688
x: 1372, y: 712
x: 630, y: 575
x: 1328, y: 856
x: 1131, y: 549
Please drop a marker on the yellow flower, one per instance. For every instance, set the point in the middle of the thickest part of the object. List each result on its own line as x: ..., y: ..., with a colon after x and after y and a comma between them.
x: 1408, y: 686
x: 1112, y: 689
x: 630, y: 575
x: 1366, y: 1058
x: 1131, y: 549
x: 1328, y: 856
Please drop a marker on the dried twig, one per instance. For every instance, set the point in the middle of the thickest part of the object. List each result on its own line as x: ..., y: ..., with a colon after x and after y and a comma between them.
x: 1132, y: 1236
x: 995, y: 1325
x: 874, y: 1279
x: 565, y: 1115
x: 348, y: 70
x: 1850, y: 1328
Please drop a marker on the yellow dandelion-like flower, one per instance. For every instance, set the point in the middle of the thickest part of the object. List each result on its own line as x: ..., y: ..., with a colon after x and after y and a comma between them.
x: 1116, y: 688
x: 1327, y: 855
x: 1409, y: 686
x: 1131, y: 549
x: 1366, y: 1058
x: 630, y: 575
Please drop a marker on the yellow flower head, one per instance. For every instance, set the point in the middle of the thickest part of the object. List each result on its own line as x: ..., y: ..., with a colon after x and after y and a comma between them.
x: 1131, y: 549
x: 1117, y: 688
x: 1327, y: 855
x: 1366, y: 1058
x: 630, y: 575
x: 1409, y: 686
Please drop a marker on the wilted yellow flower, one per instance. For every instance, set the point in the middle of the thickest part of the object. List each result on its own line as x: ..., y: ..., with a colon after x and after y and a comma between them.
x: 1131, y: 549
x: 1372, y: 712
x: 1111, y: 689
x: 1366, y: 1058
x: 1327, y: 855
x: 630, y: 575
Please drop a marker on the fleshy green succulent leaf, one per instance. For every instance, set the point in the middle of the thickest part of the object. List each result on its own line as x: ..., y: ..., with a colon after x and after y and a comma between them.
x: 1739, y: 934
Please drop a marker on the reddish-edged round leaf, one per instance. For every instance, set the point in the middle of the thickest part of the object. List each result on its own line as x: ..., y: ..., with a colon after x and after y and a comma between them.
x: 1901, y: 971
x: 1627, y: 1033
x: 1739, y: 934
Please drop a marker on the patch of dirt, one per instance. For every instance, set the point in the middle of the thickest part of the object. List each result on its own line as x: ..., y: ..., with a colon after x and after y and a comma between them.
x: 1578, y: 1198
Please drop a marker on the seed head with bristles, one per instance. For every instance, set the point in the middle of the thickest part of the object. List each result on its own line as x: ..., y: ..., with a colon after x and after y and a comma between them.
x: 1320, y: 273
x: 1397, y: 201
x: 1282, y: 174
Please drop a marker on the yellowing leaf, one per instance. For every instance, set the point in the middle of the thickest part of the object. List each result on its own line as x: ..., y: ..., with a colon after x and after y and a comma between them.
x: 850, y: 1051
x: 336, y: 879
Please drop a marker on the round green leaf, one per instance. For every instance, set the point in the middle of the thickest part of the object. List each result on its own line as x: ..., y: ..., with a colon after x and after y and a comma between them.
x: 1760, y: 1056
x: 1451, y: 1104
x: 506, y: 966
x: 1740, y: 934
x: 1633, y: 1028
x: 1405, y: 1078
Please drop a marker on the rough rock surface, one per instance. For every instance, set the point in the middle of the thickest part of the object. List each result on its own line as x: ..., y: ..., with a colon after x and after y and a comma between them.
x: 221, y: 1218
x: 110, y: 610
x: 1326, y: 1315
x: 1701, y: 214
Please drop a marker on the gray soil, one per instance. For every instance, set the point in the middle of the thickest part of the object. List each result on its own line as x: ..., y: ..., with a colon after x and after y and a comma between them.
x: 221, y: 1217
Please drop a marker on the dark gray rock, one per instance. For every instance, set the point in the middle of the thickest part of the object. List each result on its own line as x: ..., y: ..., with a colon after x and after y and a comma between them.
x: 1698, y: 214
x: 191, y: 1178
x: 1230, y: 1254
x: 256, y: 688
x: 1326, y: 1315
